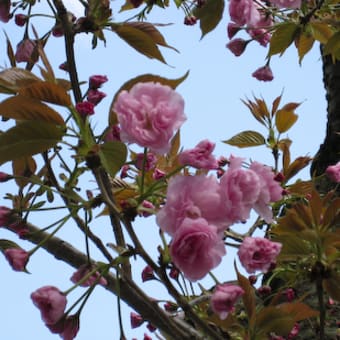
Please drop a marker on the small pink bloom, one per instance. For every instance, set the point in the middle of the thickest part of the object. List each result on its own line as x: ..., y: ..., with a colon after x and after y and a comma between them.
x: 263, y: 73
x: 290, y: 294
x: 97, y: 81
x: 124, y: 171
x: 258, y: 253
x: 196, y: 248
x: 149, y: 115
x: 5, y: 6
x: 149, y: 162
x: 25, y: 50
x: 20, y: 19
x: 136, y: 320
x: 82, y: 272
x: 200, y: 156
x: 271, y: 190
x: 158, y: 174
x: 244, y: 12
x: 286, y: 3
x: 148, y: 274
x: 85, y: 108
x: 174, y: 273
x: 4, y: 177
x: 146, y: 209
x: 5, y: 216
x: 294, y: 332
x: 199, y: 196
x: 333, y: 172
x: 51, y: 303
x: 147, y: 337
x: 190, y: 20
x: 151, y: 327
x: 237, y: 46
x: 70, y: 327
x: 95, y: 96
x: 17, y: 258
x: 232, y: 29
x: 224, y: 298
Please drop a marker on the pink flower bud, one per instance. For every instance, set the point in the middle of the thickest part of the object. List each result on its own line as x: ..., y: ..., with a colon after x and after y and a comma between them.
x: 113, y: 134
x: 25, y: 49
x: 263, y: 73
x: 85, y: 108
x: 51, y: 302
x: 124, y: 171
x: 232, y: 29
x: 82, y: 272
x: 20, y: 19
x: 170, y: 307
x: 136, y: 320
x: 158, y: 174
x: 5, y: 6
x: 174, y: 273
x: 95, y: 96
x: 70, y: 327
x: 5, y: 216
x: 333, y: 172
x: 97, y: 81
x: 190, y: 20
x: 294, y: 332
x: 151, y: 327
x: 290, y: 294
x: 147, y: 337
x: 64, y: 66
x: 237, y: 46
x: 147, y: 274
x: 58, y: 31
x: 149, y: 162
x: 146, y: 209
x: 17, y: 258
x: 4, y: 177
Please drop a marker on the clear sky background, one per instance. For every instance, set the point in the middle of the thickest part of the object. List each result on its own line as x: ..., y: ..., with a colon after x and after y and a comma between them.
x: 212, y: 94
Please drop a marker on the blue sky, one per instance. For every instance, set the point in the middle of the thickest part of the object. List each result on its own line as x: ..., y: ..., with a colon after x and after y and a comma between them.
x: 212, y: 94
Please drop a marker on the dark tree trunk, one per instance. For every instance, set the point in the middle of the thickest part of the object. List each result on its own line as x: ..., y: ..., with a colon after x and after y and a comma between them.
x: 329, y: 152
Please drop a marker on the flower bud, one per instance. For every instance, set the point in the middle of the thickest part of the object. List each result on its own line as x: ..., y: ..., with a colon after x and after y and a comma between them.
x: 136, y: 320
x: 20, y: 19
x: 147, y: 274
x: 237, y: 46
x: 24, y: 52
x: 17, y: 258
x: 85, y: 108
x: 263, y: 73
x: 97, y: 81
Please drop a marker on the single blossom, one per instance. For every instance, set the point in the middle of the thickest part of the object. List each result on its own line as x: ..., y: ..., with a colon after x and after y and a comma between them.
x: 244, y: 12
x: 270, y: 190
x: 258, y: 253
x: 51, y: 302
x: 148, y: 274
x: 196, y: 248
x: 17, y: 258
x: 149, y: 115
x: 200, y: 156
x: 263, y: 73
x: 85, y: 108
x: 97, y: 81
x: 136, y: 320
x: 237, y: 46
x: 95, y: 96
x: 286, y: 3
x: 224, y: 298
x: 193, y: 197
x: 82, y: 272
x: 333, y: 172
x: 5, y: 7
x: 232, y: 29
x: 25, y: 49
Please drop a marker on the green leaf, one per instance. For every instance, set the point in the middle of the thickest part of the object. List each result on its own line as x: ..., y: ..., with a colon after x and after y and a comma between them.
x: 246, y: 139
x: 333, y: 45
x: 113, y: 156
x: 173, y: 83
x: 210, y: 14
x: 284, y: 120
x: 139, y: 40
x: 321, y: 31
x: 12, y: 79
x: 282, y: 38
x: 24, y: 108
x: 28, y: 138
x: 47, y: 92
x: 304, y: 44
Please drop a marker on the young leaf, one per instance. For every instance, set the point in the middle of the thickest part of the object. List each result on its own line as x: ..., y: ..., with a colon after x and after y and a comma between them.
x: 139, y: 40
x: 246, y: 139
x: 24, y: 108
x: 284, y: 120
x: 113, y: 156
x: 173, y: 83
x: 47, y: 92
x: 282, y: 38
x: 298, y: 311
x: 28, y: 138
x: 321, y: 31
x: 304, y: 44
x: 210, y: 14
x: 297, y: 165
x: 333, y: 45
x: 23, y: 167
x: 12, y: 79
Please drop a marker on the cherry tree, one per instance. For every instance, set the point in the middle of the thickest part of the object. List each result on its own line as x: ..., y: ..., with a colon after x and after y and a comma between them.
x: 289, y: 252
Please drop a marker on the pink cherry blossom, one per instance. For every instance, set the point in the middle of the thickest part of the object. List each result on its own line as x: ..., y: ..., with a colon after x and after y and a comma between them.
x: 270, y: 191
x: 240, y: 189
x: 24, y: 52
x: 232, y: 29
x: 97, y: 81
x: 333, y: 172
x: 95, y: 96
x: 224, y: 298
x: 149, y: 115
x: 196, y: 248
x: 17, y: 258
x: 51, y: 303
x: 193, y: 197
x: 244, y: 12
x: 136, y: 320
x: 263, y: 73
x: 258, y: 253
x: 84, y: 271
x: 200, y: 156
x: 286, y: 3
x: 237, y: 46
x: 148, y: 274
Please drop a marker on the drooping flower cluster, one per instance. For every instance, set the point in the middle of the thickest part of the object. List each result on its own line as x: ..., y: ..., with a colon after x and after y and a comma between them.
x: 200, y: 208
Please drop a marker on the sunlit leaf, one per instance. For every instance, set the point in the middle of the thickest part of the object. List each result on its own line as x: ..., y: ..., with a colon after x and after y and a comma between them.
x: 23, y: 168
x: 12, y: 79
x: 304, y: 44
x: 209, y: 15
x: 284, y: 120
x: 282, y: 38
x: 297, y: 165
x: 333, y: 45
x: 258, y: 109
x: 276, y: 104
x: 321, y: 31
x: 24, y: 108
x: 10, y: 52
x: 173, y: 83
x: 113, y: 156
x: 246, y: 139
x: 301, y: 187
x: 284, y: 145
x: 28, y: 138
x: 47, y: 92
